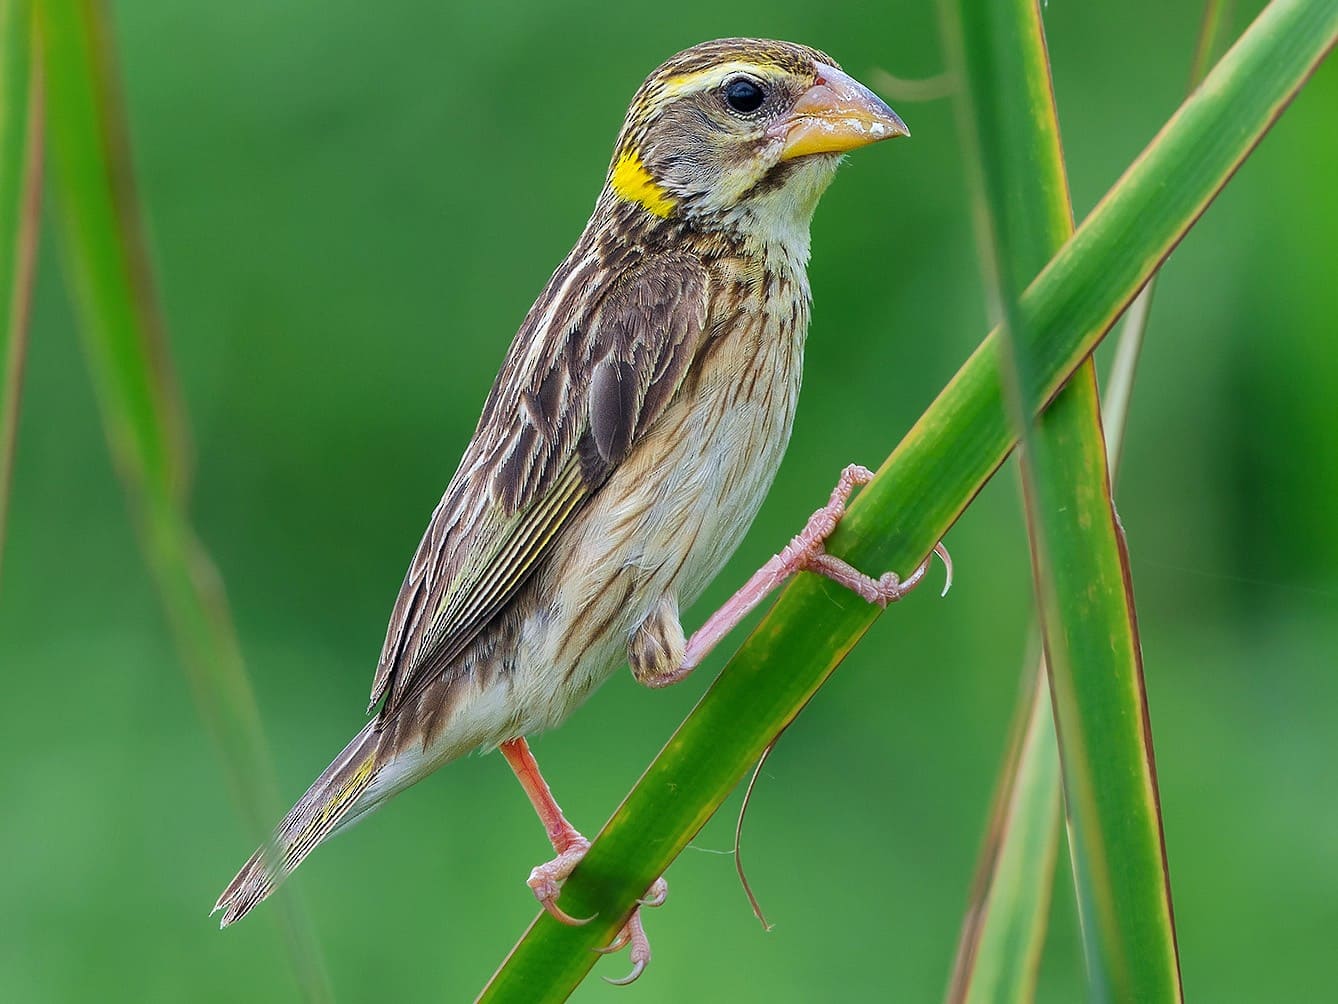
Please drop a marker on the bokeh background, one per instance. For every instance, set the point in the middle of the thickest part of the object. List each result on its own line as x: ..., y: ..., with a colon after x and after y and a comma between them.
x: 351, y: 207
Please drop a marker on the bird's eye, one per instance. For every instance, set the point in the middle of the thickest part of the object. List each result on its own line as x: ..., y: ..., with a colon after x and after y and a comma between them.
x: 744, y: 95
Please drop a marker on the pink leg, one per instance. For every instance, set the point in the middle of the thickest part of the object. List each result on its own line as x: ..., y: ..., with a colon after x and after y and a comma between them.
x: 804, y: 553
x: 546, y: 879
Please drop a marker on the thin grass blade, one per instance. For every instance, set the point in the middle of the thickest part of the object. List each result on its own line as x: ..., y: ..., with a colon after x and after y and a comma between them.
x: 1129, y: 346
x: 1010, y: 896
x: 20, y: 196
x: 1003, y: 931
x: 125, y: 337
x: 923, y: 487
x: 107, y: 268
x: 1079, y: 561
x: 1008, y: 116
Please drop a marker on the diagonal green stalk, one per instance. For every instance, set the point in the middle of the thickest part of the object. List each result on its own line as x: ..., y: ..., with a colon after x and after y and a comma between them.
x: 1010, y: 897
x: 999, y: 950
x: 126, y: 340
x: 20, y: 195
x: 106, y: 265
x: 1115, y: 407
x: 1079, y: 561
x: 1009, y: 117
x: 923, y: 487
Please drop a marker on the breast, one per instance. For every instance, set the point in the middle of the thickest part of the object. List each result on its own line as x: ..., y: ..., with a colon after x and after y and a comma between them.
x: 672, y: 514
x: 713, y: 462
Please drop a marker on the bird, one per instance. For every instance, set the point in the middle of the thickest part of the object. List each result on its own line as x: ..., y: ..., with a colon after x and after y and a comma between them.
x: 627, y: 443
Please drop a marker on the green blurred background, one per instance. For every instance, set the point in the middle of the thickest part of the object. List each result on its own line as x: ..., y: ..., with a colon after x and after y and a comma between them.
x: 351, y: 207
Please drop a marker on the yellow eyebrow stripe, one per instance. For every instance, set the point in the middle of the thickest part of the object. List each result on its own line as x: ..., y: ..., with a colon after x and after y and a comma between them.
x: 631, y: 181
x: 701, y: 80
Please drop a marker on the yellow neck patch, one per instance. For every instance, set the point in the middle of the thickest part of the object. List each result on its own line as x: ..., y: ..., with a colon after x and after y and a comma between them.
x: 631, y: 181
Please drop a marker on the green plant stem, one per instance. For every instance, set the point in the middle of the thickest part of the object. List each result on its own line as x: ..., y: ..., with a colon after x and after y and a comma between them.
x: 999, y: 951
x: 20, y: 198
x: 1008, y: 118
x: 1129, y: 345
x: 923, y: 487
x: 97, y: 223
x: 1010, y: 895
x: 1079, y: 563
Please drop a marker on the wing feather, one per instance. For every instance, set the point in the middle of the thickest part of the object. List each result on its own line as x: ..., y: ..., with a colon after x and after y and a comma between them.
x: 583, y: 380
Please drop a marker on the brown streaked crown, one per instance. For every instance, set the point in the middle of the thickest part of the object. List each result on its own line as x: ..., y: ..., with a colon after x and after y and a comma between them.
x: 789, y: 57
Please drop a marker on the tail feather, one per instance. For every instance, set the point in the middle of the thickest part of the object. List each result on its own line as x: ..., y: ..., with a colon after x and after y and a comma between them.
x: 322, y: 810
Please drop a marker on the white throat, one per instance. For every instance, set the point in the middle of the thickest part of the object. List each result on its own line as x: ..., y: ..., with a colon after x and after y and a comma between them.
x: 775, y: 224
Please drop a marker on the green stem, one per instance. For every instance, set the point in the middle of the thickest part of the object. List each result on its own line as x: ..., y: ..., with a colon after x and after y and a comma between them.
x: 923, y: 486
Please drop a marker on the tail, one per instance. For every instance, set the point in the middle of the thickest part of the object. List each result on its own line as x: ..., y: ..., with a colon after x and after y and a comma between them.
x: 330, y: 804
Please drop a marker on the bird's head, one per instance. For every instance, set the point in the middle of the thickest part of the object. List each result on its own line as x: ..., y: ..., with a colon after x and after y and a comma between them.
x: 743, y: 133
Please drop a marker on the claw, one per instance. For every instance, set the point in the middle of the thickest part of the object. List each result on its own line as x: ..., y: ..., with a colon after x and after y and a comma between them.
x: 946, y: 558
x: 636, y: 934
x: 546, y: 879
x: 562, y: 916
x: 637, y: 969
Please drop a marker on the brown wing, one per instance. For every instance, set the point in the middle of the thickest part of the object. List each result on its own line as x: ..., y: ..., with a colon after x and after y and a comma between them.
x: 586, y: 375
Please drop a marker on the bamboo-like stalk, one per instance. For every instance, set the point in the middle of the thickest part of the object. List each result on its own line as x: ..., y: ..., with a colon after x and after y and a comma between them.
x: 924, y: 486
x: 1010, y: 897
x: 107, y: 270
x: 20, y: 194
x: 1079, y: 562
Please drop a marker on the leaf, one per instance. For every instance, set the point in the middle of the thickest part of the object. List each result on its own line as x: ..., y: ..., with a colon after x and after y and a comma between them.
x: 1009, y: 119
x: 1079, y: 563
x: 923, y: 487
x: 101, y: 245
x: 20, y: 194
x: 1000, y: 947
x: 1010, y: 898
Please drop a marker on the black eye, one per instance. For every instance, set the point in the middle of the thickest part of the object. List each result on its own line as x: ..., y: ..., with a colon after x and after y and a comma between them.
x: 744, y: 95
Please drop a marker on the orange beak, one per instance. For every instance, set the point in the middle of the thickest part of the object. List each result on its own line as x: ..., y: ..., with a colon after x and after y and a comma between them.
x: 837, y: 114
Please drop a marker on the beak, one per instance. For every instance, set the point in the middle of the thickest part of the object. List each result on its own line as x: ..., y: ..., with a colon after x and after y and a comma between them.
x: 837, y: 114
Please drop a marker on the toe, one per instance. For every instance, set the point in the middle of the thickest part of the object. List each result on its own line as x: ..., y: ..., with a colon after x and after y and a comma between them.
x: 636, y: 934
x: 546, y: 881
x: 617, y: 944
x: 656, y: 894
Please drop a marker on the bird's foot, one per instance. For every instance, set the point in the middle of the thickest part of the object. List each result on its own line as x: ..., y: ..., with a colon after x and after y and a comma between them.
x: 546, y: 879
x: 808, y: 552
x: 634, y: 934
x: 546, y: 882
